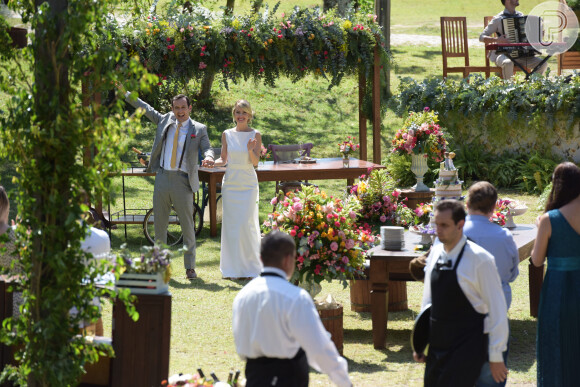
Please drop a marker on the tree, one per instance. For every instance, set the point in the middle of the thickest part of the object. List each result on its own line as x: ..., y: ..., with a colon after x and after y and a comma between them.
x: 45, y: 132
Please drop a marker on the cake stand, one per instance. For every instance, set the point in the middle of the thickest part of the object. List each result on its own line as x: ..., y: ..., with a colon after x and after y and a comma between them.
x: 509, y: 218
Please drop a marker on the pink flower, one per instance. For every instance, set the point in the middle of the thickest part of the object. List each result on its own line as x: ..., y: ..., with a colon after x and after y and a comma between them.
x: 349, y: 244
x: 181, y: 29
x: 317, y: 270
x: 345, y: 259
x: 383, y: 218
x: 274, y: 201
x: 193, y: 136
x: 293, y: 232
x: 352, y: 214
x: 202, y: 65
x: 334, y: 246
x: 396, y: 193
x: 297, y: 206
x: 300, y: 259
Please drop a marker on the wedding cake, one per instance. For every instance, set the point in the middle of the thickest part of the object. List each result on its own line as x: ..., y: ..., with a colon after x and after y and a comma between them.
x: 448, y: 185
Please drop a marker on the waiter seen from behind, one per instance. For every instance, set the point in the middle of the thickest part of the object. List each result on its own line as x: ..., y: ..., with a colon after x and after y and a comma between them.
x: 277, y: 328
x: 468, y: 309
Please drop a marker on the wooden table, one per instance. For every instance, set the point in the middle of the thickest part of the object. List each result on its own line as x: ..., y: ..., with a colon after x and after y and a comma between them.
x: 323, y: 169
x: 383, y: 262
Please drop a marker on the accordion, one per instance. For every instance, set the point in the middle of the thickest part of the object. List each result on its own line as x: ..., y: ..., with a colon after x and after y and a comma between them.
x: 515, y: 30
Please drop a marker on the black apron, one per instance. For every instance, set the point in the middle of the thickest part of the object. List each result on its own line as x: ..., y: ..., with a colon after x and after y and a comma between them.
x: 267, y: 371
x: 457, y: 344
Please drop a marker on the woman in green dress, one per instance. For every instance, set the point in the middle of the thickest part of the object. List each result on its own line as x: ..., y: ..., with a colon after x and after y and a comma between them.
x: 558, y: 333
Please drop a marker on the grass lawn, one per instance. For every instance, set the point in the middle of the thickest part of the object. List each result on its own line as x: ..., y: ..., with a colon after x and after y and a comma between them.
x: 307, y: 111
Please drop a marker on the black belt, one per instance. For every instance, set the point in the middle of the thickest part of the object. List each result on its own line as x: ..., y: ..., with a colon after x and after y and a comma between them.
x: 270, y: 360
x: 181, y: 173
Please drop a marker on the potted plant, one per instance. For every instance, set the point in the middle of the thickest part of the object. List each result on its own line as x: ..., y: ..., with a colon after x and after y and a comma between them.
x: 422, y: 138
x: 148, y: 273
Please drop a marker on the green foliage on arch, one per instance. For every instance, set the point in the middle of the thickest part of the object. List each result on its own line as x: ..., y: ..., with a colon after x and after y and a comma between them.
x: 261, y: 46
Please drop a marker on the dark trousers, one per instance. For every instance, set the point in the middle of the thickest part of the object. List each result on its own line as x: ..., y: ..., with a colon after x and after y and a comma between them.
x: 265, y: 371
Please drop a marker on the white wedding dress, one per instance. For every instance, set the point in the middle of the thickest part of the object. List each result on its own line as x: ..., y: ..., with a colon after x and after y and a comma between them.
x: 240, y: 249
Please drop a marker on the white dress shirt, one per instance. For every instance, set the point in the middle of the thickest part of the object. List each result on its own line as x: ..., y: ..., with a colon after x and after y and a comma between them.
x: 168, y: 147
x: 273, y: 318
x: 478, y: 278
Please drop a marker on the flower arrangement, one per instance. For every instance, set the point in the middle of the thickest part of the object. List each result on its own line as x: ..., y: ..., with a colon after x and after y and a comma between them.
x: 420, y: 134
x: 498, y: 218
x: 347, y: 147
x: 380, y: 201
x: 263, y: 46
x: 198, y: 380
x: 423, y: 213
x: 329, y: 243
x: 264, y: 153
x: 152, y: 260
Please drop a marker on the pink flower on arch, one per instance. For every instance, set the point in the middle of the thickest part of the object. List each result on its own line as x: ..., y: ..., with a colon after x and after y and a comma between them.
x: 202, y: 65
x: 334, y: 246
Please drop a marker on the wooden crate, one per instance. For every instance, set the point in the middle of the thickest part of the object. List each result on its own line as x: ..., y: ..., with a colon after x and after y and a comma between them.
x: 569, y: 60
x: 143, y: 283
x: 360, y: 295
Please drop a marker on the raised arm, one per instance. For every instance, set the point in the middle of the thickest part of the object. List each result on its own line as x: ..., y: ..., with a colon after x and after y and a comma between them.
x: 150, y: 112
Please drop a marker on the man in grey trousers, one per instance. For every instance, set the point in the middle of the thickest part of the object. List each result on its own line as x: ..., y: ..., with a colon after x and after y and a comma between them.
x: 174, y: 159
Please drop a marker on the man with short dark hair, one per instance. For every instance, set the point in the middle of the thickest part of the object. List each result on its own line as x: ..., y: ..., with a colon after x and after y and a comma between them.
x: 502, y: 59
x: 277, y: 329
x: 481, y: 199
x: 468, y: 310
x: 174, y: 159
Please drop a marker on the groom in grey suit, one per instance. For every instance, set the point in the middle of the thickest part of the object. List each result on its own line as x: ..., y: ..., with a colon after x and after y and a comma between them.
x: 174, y: 159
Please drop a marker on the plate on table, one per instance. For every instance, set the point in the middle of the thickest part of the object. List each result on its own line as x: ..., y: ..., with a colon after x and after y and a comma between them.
x: 307, y: 160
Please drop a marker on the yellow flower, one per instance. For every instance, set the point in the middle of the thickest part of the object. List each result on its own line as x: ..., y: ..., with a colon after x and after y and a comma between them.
x: 149, y: 25
x: 147, y: 31
x: 236, y: 24
x: 206, y: 27
x: 311, y: 37
x: 347, y: 25
x: 323, y: 235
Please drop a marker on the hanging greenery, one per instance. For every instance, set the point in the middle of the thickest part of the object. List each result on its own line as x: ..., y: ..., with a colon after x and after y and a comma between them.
x: 197, y: 44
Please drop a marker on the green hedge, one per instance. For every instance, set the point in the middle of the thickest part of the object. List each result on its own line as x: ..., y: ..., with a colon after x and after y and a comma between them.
x: 518, y: 117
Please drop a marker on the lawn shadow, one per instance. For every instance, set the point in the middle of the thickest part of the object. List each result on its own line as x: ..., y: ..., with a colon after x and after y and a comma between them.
x: 404, y: 315
x: 522, y: 351
x: 398, y: 348
x: 198, y: 283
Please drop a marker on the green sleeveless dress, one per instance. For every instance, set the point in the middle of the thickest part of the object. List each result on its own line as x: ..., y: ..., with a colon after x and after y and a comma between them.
x: 558, y: 333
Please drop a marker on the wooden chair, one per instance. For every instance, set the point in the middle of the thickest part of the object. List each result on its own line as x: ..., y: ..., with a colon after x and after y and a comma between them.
x: 287, y: 153
x: 569, y: 60
x: 454, y: 45
x: 486, y: 20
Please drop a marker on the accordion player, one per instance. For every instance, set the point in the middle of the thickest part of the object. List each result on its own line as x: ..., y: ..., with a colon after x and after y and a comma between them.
x: 514, y: 29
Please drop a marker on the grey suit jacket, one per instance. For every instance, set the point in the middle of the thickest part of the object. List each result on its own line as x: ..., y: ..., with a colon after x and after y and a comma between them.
x: 196, y: 138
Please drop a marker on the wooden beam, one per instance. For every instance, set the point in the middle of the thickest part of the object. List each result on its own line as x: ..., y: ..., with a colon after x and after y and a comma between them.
x: 377, y: 108
x: 362, y: 119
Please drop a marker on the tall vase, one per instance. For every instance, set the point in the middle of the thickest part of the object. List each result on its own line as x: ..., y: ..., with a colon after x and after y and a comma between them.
x: 312, y: 287
x: 345, y: 161
x: 419, y: 167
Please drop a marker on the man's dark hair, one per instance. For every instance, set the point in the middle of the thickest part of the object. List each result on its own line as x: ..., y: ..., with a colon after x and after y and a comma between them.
x: 482, y: 196
x: 179, y: 96
x: 503, y: 2
x: 455, y: 206
x: 275, y: 247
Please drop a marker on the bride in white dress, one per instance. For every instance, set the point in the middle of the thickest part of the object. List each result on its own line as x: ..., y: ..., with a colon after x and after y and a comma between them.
x: 240, y: 244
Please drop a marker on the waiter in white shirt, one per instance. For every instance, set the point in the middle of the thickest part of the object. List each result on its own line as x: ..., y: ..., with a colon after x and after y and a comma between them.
x: 277, y: 328
x: 468, y: 308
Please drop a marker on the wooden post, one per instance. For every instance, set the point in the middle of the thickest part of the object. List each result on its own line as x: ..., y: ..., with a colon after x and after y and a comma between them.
x: 142, y: 346
x: 377, y: 108
x: 362, y: 119
x: 383, y: 11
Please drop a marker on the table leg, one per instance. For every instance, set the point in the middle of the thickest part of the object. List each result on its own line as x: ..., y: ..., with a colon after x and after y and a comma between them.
x: 379, y: 277
x: 349, y: 182
x: 212, y: 206
x: 536, y: 279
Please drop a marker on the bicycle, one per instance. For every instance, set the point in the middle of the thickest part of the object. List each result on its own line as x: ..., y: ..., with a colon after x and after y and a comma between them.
x: 174, y: 233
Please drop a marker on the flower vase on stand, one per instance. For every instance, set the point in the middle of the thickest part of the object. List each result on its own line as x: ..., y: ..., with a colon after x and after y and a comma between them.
x: 419, y: 168
x: 345, y: 161
x: 313, y: 288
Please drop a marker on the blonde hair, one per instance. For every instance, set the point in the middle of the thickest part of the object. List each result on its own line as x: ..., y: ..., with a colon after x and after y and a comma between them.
x: 245, y: 107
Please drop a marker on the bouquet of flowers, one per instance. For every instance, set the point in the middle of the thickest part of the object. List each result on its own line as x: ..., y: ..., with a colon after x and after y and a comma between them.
x: 199, y: 380
x: 420, y: 134
x: 498, y: 218
x: 329, y: 244
x: 423, y: 213
x: 264, y: 153
x: 380, y: 201
x: 153, y: 259
x: 347, y: 147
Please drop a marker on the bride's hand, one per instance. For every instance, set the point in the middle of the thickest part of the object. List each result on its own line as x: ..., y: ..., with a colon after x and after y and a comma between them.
x: 252, y: 144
